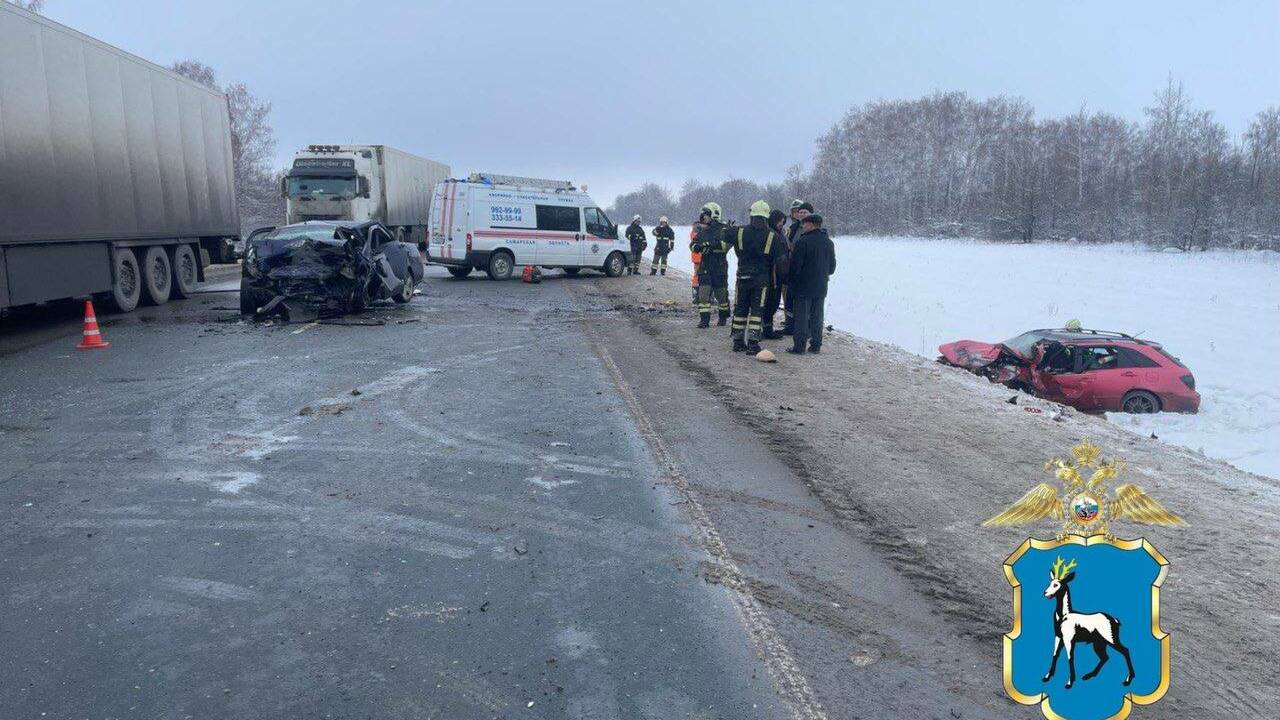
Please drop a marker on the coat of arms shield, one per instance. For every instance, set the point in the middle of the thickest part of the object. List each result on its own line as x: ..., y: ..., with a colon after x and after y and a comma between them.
x: 1086, y: 642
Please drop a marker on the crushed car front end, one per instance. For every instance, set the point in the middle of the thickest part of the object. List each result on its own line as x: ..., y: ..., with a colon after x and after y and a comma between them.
x: 310, y: 268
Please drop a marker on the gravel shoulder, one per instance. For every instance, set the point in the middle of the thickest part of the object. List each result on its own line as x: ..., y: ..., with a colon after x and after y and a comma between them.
x: 914, y: 455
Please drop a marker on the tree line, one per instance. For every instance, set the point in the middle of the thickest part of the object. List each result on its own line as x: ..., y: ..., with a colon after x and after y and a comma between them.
x: 947, y: 165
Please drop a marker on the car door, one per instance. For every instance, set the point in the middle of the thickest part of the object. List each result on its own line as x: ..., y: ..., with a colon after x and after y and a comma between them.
x: 1060, y: 376
x: 390, y: 261
x: 599, y: 240
x: 1130, y: 370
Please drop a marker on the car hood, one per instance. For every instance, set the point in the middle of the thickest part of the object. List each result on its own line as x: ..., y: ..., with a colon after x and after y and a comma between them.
x: 973, y: 354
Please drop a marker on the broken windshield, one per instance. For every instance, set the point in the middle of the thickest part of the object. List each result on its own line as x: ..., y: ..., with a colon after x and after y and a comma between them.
x: 327, y: 188
x: 1023, y: 343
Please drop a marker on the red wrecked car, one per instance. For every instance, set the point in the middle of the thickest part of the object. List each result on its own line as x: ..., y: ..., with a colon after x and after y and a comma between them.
x: 1090, y: 370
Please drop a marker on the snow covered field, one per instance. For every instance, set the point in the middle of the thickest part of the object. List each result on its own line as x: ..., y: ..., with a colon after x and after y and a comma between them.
x: 1217, y: 311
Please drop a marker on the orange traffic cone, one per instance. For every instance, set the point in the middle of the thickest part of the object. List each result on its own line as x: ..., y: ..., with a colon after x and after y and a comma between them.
x: 92, y: 338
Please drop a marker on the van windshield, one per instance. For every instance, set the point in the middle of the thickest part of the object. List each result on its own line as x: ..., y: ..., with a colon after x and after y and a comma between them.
x: 327, y: 188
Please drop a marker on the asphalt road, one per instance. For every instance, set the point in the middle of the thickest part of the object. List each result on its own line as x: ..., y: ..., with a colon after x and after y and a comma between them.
x: 498, y: 501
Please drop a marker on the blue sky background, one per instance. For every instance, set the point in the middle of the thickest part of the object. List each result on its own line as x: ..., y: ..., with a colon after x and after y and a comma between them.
x: 614, y: 93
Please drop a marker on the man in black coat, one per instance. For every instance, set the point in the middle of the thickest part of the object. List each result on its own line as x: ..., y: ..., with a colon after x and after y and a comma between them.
x: 635, y: 234
x: 813, y: 261
x: 664, y: 239
x: 799, y: 211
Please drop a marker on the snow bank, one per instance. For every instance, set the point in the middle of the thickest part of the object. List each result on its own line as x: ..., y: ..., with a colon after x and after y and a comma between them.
x: 1217, y: 311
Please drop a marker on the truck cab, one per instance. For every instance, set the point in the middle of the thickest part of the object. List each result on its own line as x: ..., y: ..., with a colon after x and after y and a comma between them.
x: 329, y: 182
x: 363, y: 183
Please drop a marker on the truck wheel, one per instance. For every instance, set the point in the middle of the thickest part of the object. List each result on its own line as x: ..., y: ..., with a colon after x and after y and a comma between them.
x: 126, y: 290
x: 501, y: 264
x: 460, y: 272
x: 614, y: 264
x: 1139, y: 402
x: 157, y: 275
x: 186, y: 271
x: 572, y: 271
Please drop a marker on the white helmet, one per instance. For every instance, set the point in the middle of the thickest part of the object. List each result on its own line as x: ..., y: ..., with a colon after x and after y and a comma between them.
x: 635, y: 218
x: 662, y: 219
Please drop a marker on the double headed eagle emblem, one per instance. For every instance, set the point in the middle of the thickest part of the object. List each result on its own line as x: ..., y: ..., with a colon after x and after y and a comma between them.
x: 1083, y: 505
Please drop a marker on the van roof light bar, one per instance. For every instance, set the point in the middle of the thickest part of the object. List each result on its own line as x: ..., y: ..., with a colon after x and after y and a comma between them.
x: 496, y: 179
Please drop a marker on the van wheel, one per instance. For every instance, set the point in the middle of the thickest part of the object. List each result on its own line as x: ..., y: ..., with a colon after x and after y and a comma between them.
x: 157, y: 275
x: 572, y: 271
x: 614, y: 264
x: 1140, y: 402
x: 460, y: 272
x: 126, y: 290
x: 185, y: 271
x: 501, y: 264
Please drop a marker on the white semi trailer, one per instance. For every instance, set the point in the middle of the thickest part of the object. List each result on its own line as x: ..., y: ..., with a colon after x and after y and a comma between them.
x: 115, y: 174
x: 361, y: 183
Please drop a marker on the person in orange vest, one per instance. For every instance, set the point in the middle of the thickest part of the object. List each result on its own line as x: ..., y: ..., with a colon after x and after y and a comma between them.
x: 695, y: 256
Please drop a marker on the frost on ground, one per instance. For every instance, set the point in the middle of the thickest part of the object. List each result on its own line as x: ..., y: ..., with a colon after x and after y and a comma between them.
x: 1217, y: 311
x: 911, y: 456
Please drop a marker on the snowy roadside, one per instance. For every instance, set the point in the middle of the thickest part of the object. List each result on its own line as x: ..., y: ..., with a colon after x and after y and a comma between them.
x: 1214, y: 310
x: 913, y: 456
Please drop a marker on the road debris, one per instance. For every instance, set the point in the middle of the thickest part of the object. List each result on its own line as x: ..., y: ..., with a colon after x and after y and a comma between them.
x: 327, y: 409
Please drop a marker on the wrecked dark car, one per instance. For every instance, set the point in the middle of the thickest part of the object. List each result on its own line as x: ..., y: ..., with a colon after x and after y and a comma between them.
x: 1091, y: 370
x: 325, y: 268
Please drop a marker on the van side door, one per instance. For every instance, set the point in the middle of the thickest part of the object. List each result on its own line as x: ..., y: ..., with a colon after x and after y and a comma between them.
x: 559, y: 235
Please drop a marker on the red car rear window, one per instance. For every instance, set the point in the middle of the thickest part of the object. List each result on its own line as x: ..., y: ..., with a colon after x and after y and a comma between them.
x: 1165, y: 353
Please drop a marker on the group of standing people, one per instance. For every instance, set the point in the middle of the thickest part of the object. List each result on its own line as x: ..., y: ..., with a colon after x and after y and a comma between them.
x: 665, y: 241
x: 779, y: 267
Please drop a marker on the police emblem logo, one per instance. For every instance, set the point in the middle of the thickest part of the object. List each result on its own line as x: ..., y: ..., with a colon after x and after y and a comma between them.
x: 1086, y: 642
x: 595, y: 248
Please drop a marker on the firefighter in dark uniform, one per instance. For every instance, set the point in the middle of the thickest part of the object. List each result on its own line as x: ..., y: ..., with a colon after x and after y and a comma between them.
x: 639, y: 241
x: 664, y: 239
x: 758, y: 248
x: 778, y: 286
x: 713, y: 265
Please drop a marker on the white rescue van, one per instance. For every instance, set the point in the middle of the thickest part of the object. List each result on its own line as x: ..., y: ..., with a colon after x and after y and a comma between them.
x: 498, y: 223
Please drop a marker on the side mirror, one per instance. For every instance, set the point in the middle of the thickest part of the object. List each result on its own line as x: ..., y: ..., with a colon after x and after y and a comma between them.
x: 362, y: 186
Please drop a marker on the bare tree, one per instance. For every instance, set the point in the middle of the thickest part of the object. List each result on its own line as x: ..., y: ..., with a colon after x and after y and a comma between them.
x: 34, y: 6
x: 947, y: 164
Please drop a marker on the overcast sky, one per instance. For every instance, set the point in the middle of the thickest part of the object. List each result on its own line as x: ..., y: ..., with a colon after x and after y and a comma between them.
x: 614, y: 93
